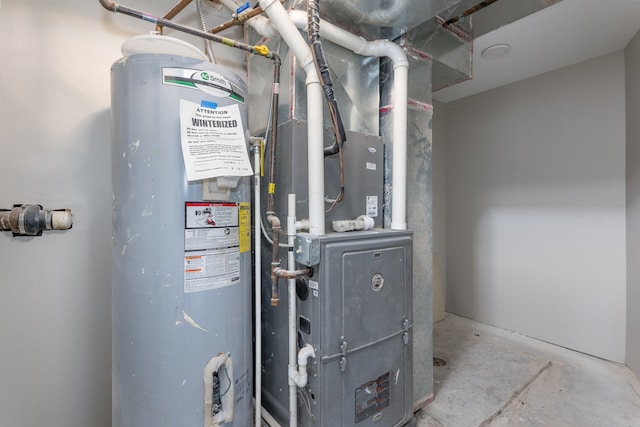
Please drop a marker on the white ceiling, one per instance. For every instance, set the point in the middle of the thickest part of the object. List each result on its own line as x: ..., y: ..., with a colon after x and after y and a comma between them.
x: 560, y: 35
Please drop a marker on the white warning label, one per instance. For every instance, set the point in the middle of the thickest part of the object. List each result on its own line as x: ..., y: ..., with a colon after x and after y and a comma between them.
x: 213, y: 141
x: 212, y: 246
x: 372, y: 206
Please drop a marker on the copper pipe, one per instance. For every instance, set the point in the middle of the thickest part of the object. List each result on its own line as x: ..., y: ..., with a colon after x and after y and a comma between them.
x: 239, y: 19
x: 173, y: 12
x: 292, y: 274
x: 275, y: 258
x: 256, y: 50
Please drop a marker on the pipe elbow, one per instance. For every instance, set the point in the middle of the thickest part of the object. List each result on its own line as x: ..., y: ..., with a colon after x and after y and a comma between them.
x: 274, y: 221
x: 387, y: 49
x: 304, y: 354
x: 263, y: 26
x: 300, y: 376
x: 299, y: 19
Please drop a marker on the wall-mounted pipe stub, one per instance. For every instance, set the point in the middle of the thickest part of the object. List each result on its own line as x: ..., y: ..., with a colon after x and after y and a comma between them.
x: 32, y: 220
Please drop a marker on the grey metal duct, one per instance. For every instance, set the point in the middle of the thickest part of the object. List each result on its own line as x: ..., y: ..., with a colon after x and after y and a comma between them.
x: 450, y: 46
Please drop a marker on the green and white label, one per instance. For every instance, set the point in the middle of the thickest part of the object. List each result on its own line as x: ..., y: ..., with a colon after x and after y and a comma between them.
x: 206, y: 81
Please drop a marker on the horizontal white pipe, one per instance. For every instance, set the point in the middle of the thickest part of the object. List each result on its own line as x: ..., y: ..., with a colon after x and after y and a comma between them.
x: 292, y: 37
x: 363, y: 222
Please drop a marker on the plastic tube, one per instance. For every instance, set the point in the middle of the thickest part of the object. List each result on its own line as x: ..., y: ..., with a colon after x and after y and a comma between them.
x: 258, y: 285
x: 362, y: 222
x: 381, y: 48
x: 293, y: 315
x: 315, y: 165
x: 399, y: 164
x: 301, y: 376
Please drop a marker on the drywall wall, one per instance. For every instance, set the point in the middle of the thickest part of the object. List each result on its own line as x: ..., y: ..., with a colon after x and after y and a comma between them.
x: 438, y: 159
x: 632, y: 77
x: 536, y: 207
x: 55, y: 303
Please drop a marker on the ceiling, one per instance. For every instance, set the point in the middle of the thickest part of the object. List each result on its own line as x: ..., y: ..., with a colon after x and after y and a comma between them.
x: 560, y: 35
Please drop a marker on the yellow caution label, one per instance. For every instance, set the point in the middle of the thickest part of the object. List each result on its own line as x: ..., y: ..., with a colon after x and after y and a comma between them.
x: 261, y: 50
x: 272, y: 188
x: 244, y: 221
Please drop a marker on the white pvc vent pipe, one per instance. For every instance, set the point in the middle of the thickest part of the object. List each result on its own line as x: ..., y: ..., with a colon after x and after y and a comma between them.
x: 380, y: 48
x: 361, y: 46
x: 292, y: 37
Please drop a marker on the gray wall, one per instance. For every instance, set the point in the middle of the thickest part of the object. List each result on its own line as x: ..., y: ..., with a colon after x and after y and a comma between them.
x: 439, y: 209
x: 536, y: 207
x: 55, y: 308
x: 632, y: 61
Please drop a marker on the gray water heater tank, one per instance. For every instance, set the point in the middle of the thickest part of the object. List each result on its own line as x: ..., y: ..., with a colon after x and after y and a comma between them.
x: 181, y: 265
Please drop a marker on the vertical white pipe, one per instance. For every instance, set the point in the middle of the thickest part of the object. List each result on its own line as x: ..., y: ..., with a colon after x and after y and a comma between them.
x: 399, y: 165
x: 400, y: 86
x: 292, y: 371
x: 315, y: 160
x: 292, y: 37
x: 258, y: 284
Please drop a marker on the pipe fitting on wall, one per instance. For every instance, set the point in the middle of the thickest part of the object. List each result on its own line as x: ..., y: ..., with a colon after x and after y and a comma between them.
x: 32, y: 220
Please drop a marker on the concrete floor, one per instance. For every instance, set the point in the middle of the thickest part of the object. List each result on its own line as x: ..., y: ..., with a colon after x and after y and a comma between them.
x: 498, y: 378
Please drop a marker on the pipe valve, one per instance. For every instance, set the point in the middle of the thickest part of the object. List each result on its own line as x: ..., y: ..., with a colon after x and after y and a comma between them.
x: 32, y: 220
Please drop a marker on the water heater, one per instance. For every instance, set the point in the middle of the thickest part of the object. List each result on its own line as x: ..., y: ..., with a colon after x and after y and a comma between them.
x: 180, y: 261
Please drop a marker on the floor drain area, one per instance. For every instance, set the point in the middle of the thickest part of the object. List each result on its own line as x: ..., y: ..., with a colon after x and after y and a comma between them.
x: 437, y: 361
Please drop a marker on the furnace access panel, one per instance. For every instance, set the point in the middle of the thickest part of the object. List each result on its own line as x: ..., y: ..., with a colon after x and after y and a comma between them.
x: 356, y: 312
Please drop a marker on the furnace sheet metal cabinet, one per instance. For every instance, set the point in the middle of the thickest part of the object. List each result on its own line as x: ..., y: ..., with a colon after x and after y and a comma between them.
x: 356, y: 312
